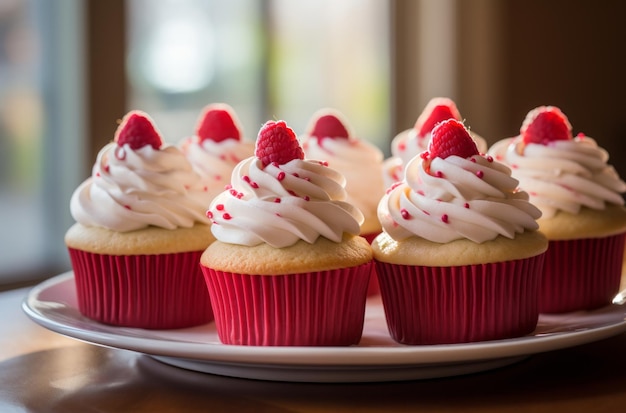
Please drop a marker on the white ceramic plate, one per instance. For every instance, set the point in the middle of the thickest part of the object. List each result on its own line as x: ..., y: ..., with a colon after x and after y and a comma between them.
x: 377, y: 357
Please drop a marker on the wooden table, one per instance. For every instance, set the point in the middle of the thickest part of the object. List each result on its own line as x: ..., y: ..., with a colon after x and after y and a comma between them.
x: 41, y: 371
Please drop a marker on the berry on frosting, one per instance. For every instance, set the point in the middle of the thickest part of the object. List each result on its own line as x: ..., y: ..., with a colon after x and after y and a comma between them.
x: 218, y: 122
x: 545, y: 124
x: 137, y: 130
x: 328, y: 124
x: 277, y: 143
x: 437, y: 110
x: 450, y: 137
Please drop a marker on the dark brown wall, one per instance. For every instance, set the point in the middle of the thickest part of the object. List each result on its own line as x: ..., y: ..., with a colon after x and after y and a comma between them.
x: 567, y: 53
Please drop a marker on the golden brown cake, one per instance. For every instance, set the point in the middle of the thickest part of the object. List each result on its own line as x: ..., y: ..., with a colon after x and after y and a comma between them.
x: 460, y: 257
x: 288, y: 267
x: 583, y: 215
x: 140, y: 230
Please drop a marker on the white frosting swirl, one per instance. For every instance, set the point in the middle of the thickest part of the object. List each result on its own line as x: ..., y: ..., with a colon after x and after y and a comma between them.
x: 407, y: 145
x: 215, y: 161
x: 133, y: 189
x: 281, y: 204
x: 564, y: 175
x: 474, y: 198
x: 359, y: 162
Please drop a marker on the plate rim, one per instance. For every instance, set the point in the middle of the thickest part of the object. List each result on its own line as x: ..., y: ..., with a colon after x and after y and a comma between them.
x: 388, y: 356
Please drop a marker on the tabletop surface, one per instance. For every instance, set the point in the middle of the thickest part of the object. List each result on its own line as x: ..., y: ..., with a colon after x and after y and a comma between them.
x: 42, y: 371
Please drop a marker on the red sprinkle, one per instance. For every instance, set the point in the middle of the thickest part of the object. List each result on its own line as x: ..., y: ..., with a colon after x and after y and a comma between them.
x: 127, y: 206
x: 323, y: 163
x: 473, y: 160
x: 107, y: 168
x: 306, y: 198
x: 444, y: 218
x: 296, y: 175
x: 489, y: 158
x: 277, y: 200
x: 226, y: 216
x: 405, y: 214
x: 209, y: 214
x: 233, y: 192
x: 466, y: 205
x: 292, y: 193
x: 281, y: 176
x: 227, y: 187
x: 254, y: 185
x: 424, y: 155
x: 480, y: 174
x: 439, y: 174
x: 246, y: 178
x: 97, y: 174
x: 219, y: 207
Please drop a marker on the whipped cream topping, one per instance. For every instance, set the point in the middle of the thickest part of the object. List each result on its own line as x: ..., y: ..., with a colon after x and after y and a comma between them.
x: 281, y: 204
x: 563, y: 175
x: 407, y: 145
x: 442, y: 200
x: 359, y: 162
x: 133, y: 189
x: 215, y: 161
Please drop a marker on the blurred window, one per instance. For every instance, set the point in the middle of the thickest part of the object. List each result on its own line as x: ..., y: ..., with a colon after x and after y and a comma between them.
x: 40, y: 126
x: 269, y: 59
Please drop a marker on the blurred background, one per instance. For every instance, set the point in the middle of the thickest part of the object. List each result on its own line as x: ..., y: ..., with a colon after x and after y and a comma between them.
x: 70, y: 69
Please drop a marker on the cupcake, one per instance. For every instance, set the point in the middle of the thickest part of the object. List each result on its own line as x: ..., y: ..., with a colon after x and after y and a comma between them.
x: 140, y: 230
x: 460, y: 257
x: 583, y: 213
x: 330, y: 137
x: 409, y: 143
x: 288, y: 267
x: 216, y: 146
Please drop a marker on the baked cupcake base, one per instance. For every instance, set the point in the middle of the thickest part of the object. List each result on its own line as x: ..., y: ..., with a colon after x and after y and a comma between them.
x: 324, y: 308
x: 149, y: 278
x: 160, y: 291
x: 444, y: 305
x: 461, y: 291
x: 581, y: 274
x: 300, y: 295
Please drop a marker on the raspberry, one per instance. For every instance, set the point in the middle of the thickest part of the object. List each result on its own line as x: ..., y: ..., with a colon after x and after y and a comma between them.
x: 437, y: 110
x: 544, y: 125
x: 137, y: 130
x: 277, y: 143
x: 450, y: 137
x: 328, y: 124
x: 217, y: 123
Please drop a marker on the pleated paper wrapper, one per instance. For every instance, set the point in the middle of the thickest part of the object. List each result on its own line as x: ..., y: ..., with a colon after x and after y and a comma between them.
x: 582, y: 274
x: 160, y: 291
x: 325, y: 308
x: 372, y: 288
x: 460, y: 304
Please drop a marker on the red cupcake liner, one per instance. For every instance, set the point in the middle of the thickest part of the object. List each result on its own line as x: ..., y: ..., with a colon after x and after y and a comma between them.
x: 373, y: 288
x: 160, y: 291
x: 581, y: 274
x: 325, y: 308
x: 460, y: 304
